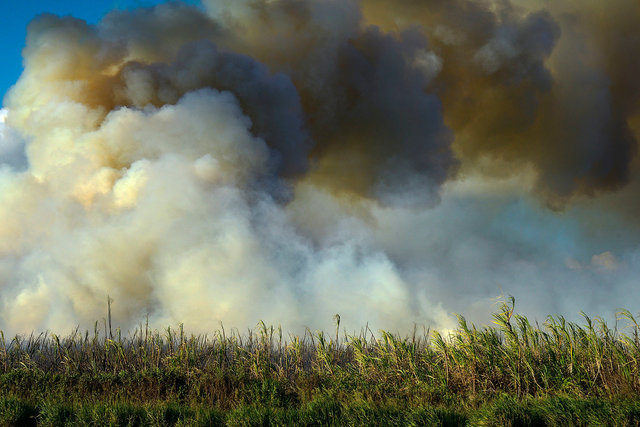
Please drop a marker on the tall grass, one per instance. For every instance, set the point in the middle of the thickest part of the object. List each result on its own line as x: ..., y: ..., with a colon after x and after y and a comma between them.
x: 266, y: 367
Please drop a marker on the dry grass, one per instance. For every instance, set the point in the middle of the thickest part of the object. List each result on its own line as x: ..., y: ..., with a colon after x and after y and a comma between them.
x: 513, y: 357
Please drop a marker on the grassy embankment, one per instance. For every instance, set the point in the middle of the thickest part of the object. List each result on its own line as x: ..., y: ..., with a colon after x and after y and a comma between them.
x: 515, y: 373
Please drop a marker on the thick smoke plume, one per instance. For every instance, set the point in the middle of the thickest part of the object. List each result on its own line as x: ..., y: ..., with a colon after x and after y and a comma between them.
x: 287, y: 160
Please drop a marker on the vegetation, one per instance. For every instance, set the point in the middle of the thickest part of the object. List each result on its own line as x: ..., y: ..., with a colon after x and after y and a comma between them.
x: 514, y: 373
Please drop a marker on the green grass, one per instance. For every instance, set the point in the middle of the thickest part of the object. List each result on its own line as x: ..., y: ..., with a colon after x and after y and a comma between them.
x: 503, y: 411
x: 513, y: 373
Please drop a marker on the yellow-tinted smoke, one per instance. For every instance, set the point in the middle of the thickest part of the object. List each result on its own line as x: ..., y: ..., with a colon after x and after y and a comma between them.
x: 547, y: 84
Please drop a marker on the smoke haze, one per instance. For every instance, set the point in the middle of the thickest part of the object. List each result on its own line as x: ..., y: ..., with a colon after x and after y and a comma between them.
x: 286, y: 160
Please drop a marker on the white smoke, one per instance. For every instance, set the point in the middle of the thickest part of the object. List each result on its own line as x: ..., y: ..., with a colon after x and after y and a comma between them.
x: 11, y: 145
x: 182, y: 231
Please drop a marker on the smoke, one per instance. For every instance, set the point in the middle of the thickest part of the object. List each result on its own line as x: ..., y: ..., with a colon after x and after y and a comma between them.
x: 535, y: 84
x: 11, y: 145
x: 288, y: 160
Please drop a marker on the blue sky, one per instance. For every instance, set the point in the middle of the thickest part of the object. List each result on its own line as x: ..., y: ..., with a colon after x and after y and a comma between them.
x: 17, y: 15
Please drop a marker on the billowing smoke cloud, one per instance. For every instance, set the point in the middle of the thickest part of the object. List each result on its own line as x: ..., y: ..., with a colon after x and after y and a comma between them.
x: 377, y: 131
x: 291, y: 159
x: 551, y: 88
